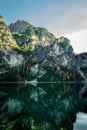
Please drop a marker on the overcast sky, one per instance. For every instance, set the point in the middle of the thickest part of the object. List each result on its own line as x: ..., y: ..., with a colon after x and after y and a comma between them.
x: 61, y: 17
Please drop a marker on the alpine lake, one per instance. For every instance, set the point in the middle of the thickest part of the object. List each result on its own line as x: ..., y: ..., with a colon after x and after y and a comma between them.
x: 42, y: 106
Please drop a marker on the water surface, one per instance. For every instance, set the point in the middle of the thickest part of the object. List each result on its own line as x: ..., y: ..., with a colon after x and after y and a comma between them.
x: 41, y: 107
x: 81, y: 121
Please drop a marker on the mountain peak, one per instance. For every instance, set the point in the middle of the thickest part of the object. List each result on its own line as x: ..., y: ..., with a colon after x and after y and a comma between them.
x: 25, y: 33
x: 63, y: 39
x: 19, y: 26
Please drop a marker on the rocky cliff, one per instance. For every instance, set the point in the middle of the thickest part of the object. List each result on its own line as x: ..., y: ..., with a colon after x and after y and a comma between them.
x: 56, y: 62
x: 9, y: 57
x: 26, y: 34
x: 37, y: 54
x: 6, y: 39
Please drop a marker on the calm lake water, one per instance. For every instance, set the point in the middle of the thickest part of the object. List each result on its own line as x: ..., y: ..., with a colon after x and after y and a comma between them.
x: 42, y: 107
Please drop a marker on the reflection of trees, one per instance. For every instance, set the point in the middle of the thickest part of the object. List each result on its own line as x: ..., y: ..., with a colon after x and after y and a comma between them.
x: 46, y: 106
x: 83, y: 95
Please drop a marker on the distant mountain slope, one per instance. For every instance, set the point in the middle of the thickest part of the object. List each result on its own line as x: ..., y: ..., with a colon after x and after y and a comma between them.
x: 25, y: 34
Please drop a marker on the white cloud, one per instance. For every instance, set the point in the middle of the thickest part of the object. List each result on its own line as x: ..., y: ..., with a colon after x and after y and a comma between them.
x: 70, y: 22
x: 74, y: 20
x: 63, y: 20
x: 78, y: 41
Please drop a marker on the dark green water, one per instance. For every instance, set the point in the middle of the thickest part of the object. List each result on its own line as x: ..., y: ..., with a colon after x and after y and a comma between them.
x: 41, y: 107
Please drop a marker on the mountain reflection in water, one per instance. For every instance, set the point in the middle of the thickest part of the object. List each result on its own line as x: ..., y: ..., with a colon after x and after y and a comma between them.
x: 41, y: 107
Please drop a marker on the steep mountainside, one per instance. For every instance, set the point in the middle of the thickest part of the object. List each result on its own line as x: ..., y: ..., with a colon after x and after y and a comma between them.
x: 9, y: 57
x: 6, y: 39
x: 26, y: 34
x: 38, y: 55
x: 56, y: 62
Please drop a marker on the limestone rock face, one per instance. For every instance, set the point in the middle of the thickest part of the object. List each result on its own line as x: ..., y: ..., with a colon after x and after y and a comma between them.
x: 62, y: 53
x: 9, y: 57
x: 59, y: 54
x: 55, y: 57
x: 25, y: 33
x: 38, y: 54
x: 6, y: 39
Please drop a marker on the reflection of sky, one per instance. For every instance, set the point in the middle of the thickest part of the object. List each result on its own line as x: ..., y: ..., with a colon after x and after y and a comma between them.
x: 81, y: 122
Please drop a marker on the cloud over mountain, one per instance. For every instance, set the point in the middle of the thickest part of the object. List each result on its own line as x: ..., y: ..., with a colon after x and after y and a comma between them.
x: 66, y: 18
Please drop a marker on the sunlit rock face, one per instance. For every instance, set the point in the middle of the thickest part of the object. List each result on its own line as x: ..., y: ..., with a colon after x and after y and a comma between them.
x: 6, y: 39
x: 38, y: 53
x: 12, y: 58
x: 62, y: 53
x: 9, y: 57
x: 59, y: 55
x: 61, y: 46
x: 25, y: 33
